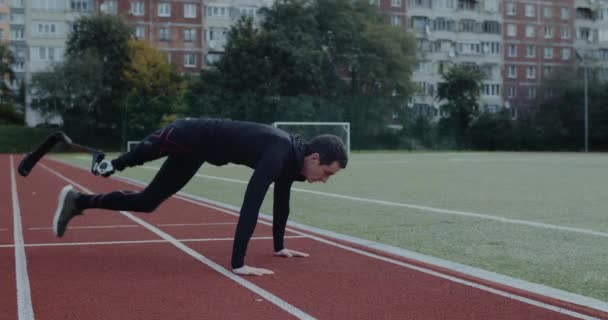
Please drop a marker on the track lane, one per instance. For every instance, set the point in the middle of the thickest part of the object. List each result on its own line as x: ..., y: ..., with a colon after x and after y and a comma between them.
x: 424, y: 294
x: 121, y: 281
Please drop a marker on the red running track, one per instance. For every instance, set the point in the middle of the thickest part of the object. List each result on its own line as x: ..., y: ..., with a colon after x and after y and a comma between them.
x: 174, y: 264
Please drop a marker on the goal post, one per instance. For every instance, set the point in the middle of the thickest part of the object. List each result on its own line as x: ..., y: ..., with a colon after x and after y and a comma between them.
x: 309, y: 130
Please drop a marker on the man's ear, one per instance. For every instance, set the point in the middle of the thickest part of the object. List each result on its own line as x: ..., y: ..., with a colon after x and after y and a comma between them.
x: 315, y: 156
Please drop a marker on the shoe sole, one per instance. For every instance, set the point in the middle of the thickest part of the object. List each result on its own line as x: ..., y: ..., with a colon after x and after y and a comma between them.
x: 62, y: 195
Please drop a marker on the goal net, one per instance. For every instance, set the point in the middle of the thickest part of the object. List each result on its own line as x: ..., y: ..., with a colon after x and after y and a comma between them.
x: 309, y: 130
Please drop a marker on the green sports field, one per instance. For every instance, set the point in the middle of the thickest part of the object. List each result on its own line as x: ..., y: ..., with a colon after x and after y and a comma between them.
x: 541, y: 217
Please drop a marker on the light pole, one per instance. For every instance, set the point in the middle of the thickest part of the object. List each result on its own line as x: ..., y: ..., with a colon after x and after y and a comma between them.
x: 586, y: 90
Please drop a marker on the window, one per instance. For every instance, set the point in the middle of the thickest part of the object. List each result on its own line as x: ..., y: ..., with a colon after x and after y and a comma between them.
x: 137, y: 8
x: 47, y: 29
x: 189, y: 35
x: 17, y: 18
x: 396, y: 21
x: 467, y: 25
x: 491, y: 89
x: 530, y: 72
x: 530, y: 32
x: 529, y: 10
x: 512, y: 72
x: 189, y: 10
x: 530, y: 51
x: 547, y: 71
x: 396, y: 3
x: 566, y: 54
x: 140, y: 32
x: 164, y: 9
x: 548, y: 12
x: 512, y: 51
x: 511, y: 92
x: 189, y: 60
x: 565, y: 33
x: 548, y: 53
x: 548, y: 32
x: 531, y: 92
x: 110, y: 7
x: 17, y: 34
x: 491, y: 27
x: 511, y: 8
x: 511, y: 30
x: 565, y: 12
x: 163, y: 34
x: 81, y: 5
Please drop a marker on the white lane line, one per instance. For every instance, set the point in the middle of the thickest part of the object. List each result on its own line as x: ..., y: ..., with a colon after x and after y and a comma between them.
x: 96, y: 243
x: 238, y: 279
x: 468, y: 270
x: 195, y: 224
x: 426, y: 208
x: 25, y: 310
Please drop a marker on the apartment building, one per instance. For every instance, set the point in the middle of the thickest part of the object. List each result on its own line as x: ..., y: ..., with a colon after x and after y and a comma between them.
x: 172, y: 26
x: 17, y: 42
x: 538, y: 39
x: 517, y: 44
x: 5, y: 26
x: 591, y: 35
x: 456, y: 31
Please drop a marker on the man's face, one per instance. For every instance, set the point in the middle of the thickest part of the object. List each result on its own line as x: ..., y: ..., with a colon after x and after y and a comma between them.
x: 315, y: 172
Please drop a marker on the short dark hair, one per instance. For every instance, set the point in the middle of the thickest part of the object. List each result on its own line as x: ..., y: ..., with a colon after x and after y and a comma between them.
x: 330, y: 148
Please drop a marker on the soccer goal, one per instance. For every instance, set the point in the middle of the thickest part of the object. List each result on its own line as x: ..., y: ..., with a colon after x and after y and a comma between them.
x: 131, y: 144
x: 309, y: 130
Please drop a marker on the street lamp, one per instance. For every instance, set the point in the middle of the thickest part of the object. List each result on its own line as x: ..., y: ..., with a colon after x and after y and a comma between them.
x: 586, y: 89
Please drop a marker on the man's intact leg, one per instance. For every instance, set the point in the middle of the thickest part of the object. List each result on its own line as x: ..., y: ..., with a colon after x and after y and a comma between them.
x: 66, y: 210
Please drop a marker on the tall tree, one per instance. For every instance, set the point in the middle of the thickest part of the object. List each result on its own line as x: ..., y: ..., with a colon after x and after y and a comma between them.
x: 460, y: 89
x: 155, y: 88
x: 8, y: 114
x: 90, y: 82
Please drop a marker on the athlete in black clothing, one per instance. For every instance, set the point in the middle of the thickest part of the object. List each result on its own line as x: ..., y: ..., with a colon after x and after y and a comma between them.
x: 275, y: 156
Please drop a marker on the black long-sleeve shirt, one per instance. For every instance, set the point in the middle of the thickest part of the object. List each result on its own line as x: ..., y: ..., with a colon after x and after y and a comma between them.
x: 275, y: 156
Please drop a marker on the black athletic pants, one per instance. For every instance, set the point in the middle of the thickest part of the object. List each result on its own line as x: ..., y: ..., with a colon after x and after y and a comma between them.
x: 174, y: 142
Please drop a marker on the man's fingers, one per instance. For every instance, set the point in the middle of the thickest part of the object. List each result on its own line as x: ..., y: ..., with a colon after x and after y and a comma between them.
x: 288, y: 253
x: 251, y: 271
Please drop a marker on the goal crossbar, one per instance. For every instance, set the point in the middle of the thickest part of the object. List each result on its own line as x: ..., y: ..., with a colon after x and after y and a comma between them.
x: 344, y: 125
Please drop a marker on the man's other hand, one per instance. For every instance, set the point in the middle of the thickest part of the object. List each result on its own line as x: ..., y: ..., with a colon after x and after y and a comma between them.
x: 288, y: 253
x: 251, y: 271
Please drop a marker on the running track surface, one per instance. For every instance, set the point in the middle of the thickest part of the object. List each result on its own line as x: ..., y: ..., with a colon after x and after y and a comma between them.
x: 174, y: 264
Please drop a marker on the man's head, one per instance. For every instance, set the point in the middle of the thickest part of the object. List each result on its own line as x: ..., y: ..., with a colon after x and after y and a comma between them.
x: 325, y: 155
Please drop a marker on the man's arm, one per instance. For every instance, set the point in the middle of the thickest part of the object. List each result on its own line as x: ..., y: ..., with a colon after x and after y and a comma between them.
x: 280, y: 212
x: 269, y: 167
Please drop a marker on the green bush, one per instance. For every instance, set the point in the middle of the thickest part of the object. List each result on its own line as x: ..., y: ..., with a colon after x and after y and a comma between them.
x: 19, y: 139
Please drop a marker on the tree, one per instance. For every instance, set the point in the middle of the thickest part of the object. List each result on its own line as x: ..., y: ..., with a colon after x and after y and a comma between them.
x: 74, y: 90
x: 7, y: 108
x: 155, y: 88
x: 320, y: 56
x: 87, y: 89
x: 460, y: 90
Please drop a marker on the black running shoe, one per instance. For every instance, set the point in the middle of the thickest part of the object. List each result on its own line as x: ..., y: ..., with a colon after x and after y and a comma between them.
x: 66, y: 210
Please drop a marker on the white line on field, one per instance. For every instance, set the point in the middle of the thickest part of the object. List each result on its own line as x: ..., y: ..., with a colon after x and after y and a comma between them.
x: 238, y: 279
x: 25, y: 310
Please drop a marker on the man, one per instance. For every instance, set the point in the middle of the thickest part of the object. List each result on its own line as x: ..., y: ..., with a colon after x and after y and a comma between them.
x: 275, y: 156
